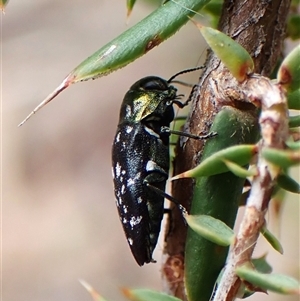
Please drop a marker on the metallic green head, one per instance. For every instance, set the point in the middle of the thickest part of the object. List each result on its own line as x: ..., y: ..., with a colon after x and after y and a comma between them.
x: 149, y: 95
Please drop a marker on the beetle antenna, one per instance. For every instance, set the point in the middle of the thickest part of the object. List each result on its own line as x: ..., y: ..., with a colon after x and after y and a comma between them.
x: 185, y: 71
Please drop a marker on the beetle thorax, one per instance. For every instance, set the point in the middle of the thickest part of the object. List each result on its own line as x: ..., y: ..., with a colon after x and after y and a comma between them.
x: 138, y: 105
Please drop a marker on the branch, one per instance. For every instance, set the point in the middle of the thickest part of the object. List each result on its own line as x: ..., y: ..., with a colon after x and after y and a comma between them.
x: 274, y: 130
x: 259, y: 26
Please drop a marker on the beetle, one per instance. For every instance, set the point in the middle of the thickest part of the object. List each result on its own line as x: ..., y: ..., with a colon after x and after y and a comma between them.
x: 140, y: 159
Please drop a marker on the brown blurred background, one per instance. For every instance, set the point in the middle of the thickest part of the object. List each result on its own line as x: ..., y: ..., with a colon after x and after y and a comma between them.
x: 59, y: 218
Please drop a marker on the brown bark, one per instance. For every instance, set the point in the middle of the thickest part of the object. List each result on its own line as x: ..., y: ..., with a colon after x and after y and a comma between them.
x: 259, y: 26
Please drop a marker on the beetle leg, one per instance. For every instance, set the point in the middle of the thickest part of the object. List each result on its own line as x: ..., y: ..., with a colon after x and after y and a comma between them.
x: 168, y: 197
x: 165, y: 129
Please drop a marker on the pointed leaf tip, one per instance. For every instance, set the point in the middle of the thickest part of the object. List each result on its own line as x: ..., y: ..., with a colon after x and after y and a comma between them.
x: 64, y: 85
x: 288, y: 73
x: 240, y: 171
x: 91, y: 290
x: 238, y: 155
x: 3, y: 3
x: 130, y: 4
x: 232, y: 54
x: 273, y: 241
x: 147, y: 295
x: 130, y: 45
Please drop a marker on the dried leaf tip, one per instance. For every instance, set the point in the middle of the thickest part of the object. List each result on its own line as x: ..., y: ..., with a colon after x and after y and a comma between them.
x: 65, y: 84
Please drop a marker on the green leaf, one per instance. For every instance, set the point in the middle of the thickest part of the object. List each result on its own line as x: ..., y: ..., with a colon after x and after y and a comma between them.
x: 215, y: 164
x: 273, y: 282
x: 137, y: 40
x: 261, y: 264
x: 287, y: 183
x: 282, y: 158
x: 240, y: 171
x: 293, y: 145
x: 231, y: 53
x: 293, y: 28
x: 147, y: 295
x: 217, y: 196
x: 293, y: 99
x: 211, y: 228
x: 294, y: 121
x: 3, y: 3
x: 273, y: 241
x: 130, y: 45
x: 214, y: 9
x: 130, y: 4
x: 92, y: 291
x: 294, y: 4
x: 288, y: 74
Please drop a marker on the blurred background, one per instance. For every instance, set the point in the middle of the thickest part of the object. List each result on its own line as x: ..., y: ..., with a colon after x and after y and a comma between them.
x: 59, y: 218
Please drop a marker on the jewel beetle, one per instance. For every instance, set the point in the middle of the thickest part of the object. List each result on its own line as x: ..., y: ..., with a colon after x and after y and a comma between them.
x: 140, y: 159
